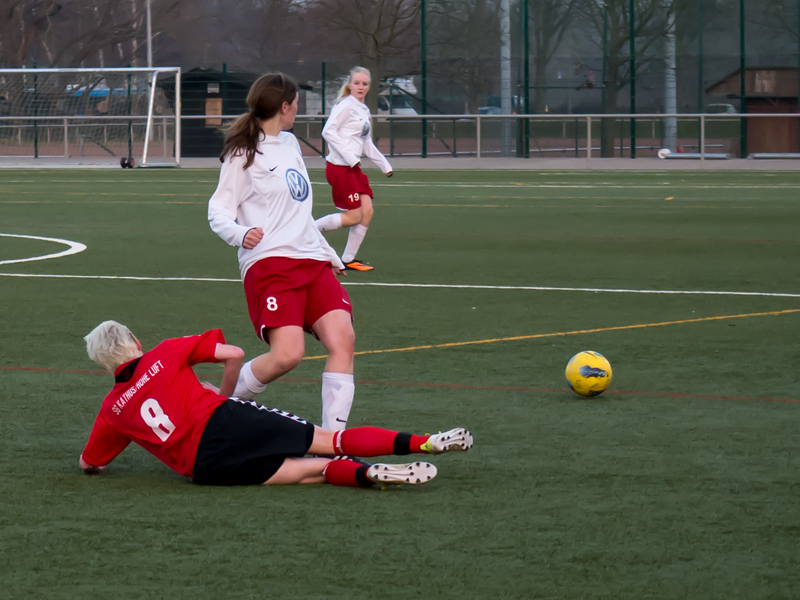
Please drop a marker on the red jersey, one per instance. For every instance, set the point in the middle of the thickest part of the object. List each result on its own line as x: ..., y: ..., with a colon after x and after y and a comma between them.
x: 158, y: 403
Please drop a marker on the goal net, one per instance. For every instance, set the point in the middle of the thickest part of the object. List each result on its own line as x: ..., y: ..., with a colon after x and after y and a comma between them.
x: 90, y: 116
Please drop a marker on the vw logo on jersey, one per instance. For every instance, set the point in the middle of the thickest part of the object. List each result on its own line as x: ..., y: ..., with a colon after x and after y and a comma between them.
x: 298, y: 186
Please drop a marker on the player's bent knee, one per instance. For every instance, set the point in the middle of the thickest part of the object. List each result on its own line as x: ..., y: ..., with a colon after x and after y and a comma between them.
x: 343, y: 342
x: 288, y: 359
x: 351, y: 217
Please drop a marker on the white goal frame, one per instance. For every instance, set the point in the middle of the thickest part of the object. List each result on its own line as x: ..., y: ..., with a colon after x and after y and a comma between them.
x: 145, y: 159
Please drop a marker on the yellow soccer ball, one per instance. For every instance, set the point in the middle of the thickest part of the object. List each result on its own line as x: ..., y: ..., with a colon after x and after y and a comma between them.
x: 588, y: 373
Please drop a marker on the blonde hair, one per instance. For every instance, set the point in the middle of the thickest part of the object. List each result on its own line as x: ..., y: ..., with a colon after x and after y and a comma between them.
x: 111, y: 344
x: 345, y: 91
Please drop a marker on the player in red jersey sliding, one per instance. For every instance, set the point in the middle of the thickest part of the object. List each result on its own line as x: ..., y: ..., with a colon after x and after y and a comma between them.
x: 193, y: 428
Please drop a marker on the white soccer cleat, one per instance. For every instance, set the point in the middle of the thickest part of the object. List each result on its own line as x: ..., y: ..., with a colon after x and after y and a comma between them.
x: 411, y: 473
x: 455, y: 440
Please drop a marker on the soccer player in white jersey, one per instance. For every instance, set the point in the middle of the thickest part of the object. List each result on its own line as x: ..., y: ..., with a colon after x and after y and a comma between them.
x: 263, y: 205
x: 347, y: 132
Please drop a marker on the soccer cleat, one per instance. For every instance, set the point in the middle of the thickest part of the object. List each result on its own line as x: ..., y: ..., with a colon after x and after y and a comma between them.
x: 411, y: 473
x: 357, y: 266
x: 458, y: 439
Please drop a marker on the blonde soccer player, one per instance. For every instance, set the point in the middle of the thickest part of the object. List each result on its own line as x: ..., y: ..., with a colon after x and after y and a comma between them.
x: 347, y: 132
x: 158, y: 403
x: 262, y: 205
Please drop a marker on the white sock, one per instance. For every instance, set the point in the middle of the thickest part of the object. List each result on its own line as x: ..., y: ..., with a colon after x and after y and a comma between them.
x: 338, y: 390
x: 247, y: 386
x: 354, y: 239
x: 329, y: 222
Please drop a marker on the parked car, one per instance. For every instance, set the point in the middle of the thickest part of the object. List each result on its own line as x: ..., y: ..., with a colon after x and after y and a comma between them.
x: 399, y: 106
x: 490, y: 110
x: 717, y: 109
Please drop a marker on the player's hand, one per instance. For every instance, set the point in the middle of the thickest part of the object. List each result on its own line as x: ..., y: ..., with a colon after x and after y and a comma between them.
x: 252, y: 238
x: 390, y: 173
x: 89, y: 469
x: 339, y: 272
x: 210, y: 386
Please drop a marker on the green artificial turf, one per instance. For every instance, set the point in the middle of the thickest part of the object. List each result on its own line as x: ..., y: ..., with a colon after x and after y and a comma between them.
x: 680, y: 482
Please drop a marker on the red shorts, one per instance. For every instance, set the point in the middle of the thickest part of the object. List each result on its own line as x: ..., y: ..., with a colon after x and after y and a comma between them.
x: 347, y: 183
x: 289, y: 291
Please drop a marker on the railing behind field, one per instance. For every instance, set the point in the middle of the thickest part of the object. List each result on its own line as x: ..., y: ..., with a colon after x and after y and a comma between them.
x: 700, y: 136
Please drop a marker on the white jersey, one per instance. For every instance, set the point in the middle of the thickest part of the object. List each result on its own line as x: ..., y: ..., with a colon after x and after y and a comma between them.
x: 348, y: 135
x: 274, y: 193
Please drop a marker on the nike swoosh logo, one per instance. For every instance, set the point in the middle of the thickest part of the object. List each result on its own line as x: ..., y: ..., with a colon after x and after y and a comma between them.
x: 273, y: 168
x: 345, y: 301
x: 340, y: 421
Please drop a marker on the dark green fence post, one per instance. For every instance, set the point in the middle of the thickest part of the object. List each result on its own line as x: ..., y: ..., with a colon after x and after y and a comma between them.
x: 700, y: 30
x: 633, y: 78
x: 526, y: 80
x: 224, y: 88
x: 424, y: 76
x: 742, y: 84
x: 322, y: 85
x: 130, y: 123
x: 35, y: 114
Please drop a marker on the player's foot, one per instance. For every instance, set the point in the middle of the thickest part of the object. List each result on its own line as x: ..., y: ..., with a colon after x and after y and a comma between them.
x: 458, y: 439
x: 411, y: 473
x: 357, y: 266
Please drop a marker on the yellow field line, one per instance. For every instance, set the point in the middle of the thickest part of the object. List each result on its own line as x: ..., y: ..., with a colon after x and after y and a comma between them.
x: 562, y: 333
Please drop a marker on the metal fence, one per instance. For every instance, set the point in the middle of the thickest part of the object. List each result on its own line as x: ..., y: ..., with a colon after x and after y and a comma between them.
x: 552, y: 135
x: 701, y: 136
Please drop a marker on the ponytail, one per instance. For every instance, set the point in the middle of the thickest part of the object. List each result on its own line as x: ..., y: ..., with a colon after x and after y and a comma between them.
x: 242, y: 137
x: 265, y: 99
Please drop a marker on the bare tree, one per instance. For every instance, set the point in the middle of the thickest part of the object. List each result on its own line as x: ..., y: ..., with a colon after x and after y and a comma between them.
x: 374, y: 31
x: 464, y: 48
x: 23, y: 26
x: 650, y: 24
x: 550, y: 20
x: 782, y: 13
x: 60, y: 34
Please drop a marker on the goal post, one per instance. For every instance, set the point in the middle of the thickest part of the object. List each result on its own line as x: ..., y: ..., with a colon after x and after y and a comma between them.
x: 90, y: 116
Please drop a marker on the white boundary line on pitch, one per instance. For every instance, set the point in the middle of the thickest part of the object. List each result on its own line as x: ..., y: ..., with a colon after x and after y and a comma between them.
x: 74, y: 248
x: 465, y: 184
x: 531, y: 288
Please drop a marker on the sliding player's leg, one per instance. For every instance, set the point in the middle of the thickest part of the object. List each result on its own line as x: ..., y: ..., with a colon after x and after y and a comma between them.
x: 374, y: 441
x: 299, y: 470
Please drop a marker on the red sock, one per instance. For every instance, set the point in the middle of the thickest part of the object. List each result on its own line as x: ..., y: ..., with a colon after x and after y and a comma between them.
x: 347, y: 472
x: 373, y: 441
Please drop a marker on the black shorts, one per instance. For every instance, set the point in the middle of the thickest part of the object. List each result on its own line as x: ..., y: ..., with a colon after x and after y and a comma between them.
x: 245, y: 444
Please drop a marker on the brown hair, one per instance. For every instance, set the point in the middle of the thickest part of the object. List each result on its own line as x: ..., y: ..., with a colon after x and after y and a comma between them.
x: 265, y: 99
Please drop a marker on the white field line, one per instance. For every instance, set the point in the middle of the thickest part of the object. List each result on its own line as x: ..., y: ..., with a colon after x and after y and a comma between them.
x: 74, y: 248
x: 457, y: 184
x: 427, y: 285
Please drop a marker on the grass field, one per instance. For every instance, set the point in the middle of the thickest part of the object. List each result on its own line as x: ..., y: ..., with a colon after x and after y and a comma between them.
x: 680, y: 482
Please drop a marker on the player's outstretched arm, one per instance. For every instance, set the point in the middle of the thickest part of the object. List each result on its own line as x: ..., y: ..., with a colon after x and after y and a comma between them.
x: 232, y: 357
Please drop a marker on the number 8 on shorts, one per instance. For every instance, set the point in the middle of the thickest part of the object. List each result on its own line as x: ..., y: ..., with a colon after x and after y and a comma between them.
x: 272, y: 303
